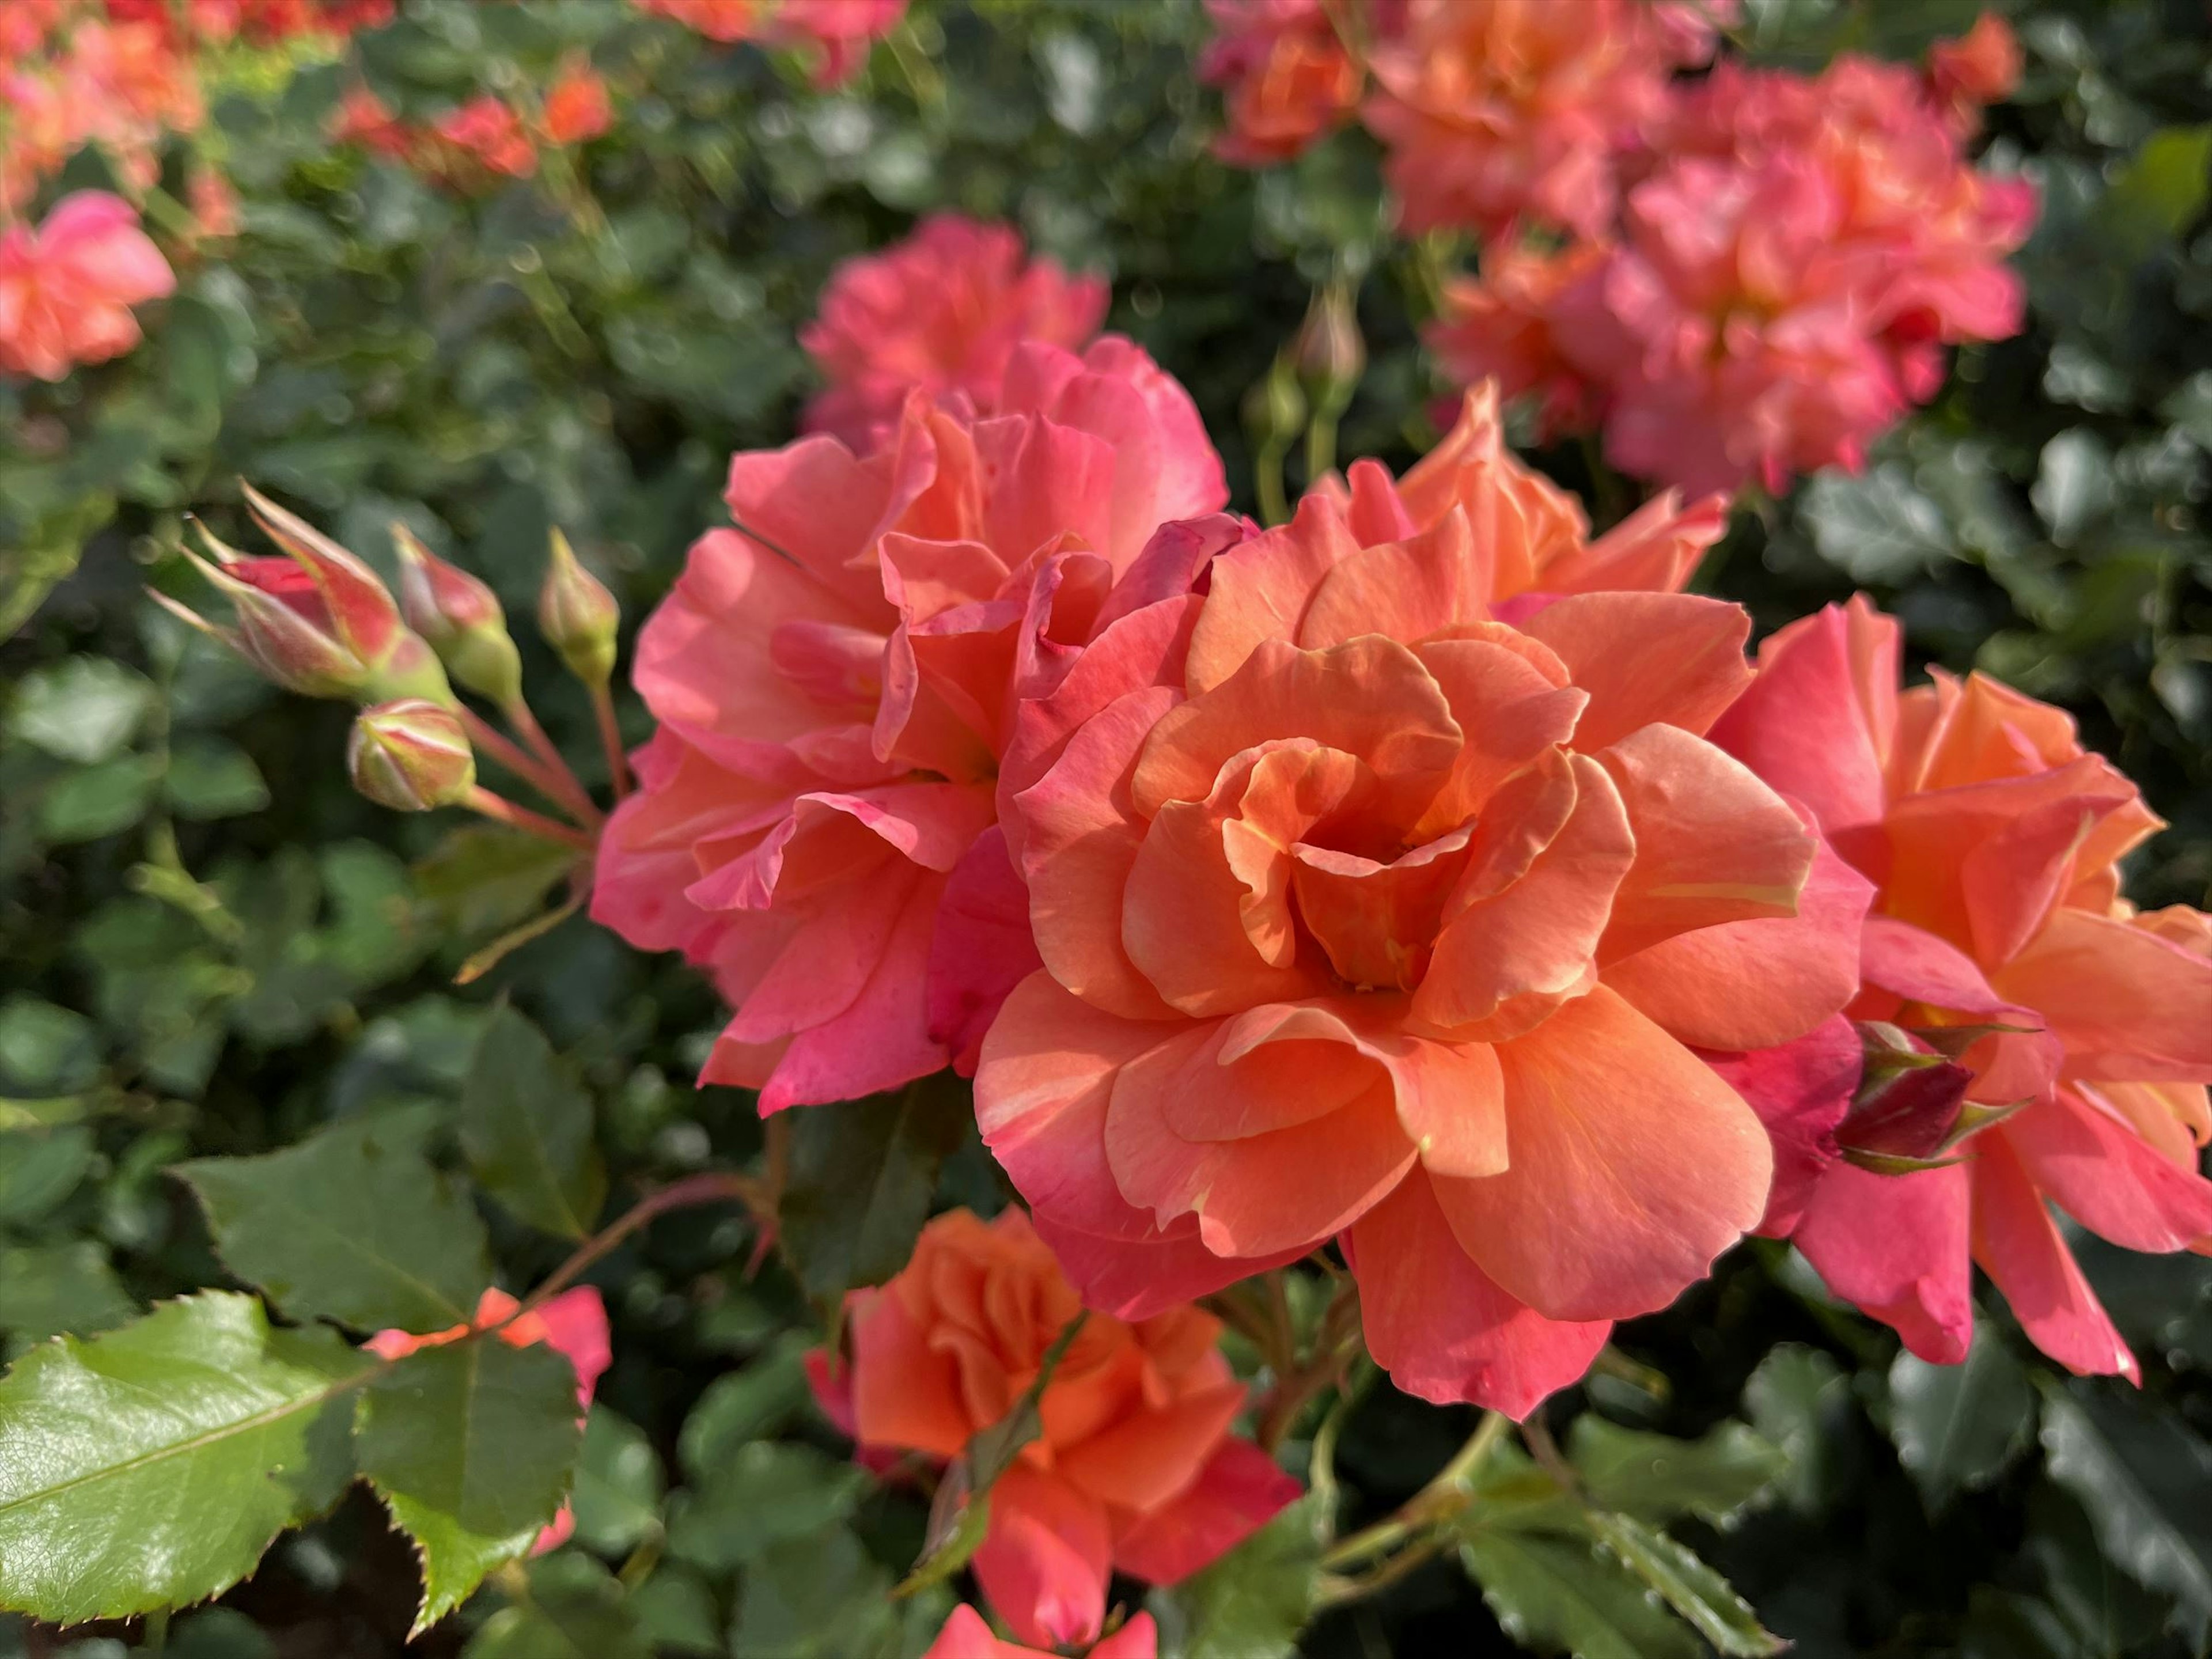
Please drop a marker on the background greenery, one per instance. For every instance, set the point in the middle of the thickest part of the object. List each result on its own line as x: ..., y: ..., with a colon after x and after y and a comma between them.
x: 211, y: 947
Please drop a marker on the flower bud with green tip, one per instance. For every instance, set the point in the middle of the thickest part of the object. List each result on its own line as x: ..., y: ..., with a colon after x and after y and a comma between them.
x: 578, y: 616
x: 1328, y: 349
x: 461, y: 618
x: 411, y: 756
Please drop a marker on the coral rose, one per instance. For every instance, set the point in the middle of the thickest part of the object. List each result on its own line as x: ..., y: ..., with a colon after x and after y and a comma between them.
x: 577, y: 107
x: 965, y: 1636
x: 1367, y: 914
x: 1500, y: 327
x: 1135, y: 1468
x: 1285, y: 77
x: 836, y: 682
x: 574, y: 1324
x: 943, y: 310
x: 1994, y: 841
x: 66, y: 289
x: 834, y: 35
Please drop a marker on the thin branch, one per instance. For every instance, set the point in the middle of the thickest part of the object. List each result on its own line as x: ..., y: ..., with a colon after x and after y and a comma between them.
x: 560, y: 786
x: 500, y: 810
x: 713, y: 1187
x: 603, y: 708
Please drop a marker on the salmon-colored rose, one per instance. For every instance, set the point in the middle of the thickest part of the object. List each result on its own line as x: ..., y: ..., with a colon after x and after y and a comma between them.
x: 836, y: 682
x: 943, y: 310
x: 1134, y: 1470
x: 574, y: 1324
x: 1365, y: 914
x: 1286, y: 79
x: 835, y: 34
x: 66, y: 289
x: 577, y: 106
x: 1995, y: 842
x: 965, y: 1636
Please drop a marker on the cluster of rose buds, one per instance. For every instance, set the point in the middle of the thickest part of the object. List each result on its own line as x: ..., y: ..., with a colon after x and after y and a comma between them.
x: 834, y: 36
x: 1740, y: 277
x: 486, y: 139
x: 321, y: 623
x: 1422, y: 878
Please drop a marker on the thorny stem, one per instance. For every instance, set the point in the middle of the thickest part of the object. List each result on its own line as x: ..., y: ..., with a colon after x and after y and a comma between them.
x: 556, y: 783
x: 500, y: 810
x: 713, y: 1187
x: 602, y: 707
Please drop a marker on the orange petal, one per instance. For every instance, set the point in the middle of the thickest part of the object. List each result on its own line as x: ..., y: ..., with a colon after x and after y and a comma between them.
x: 1646, y: 657
x: 1258, y: 591
x: 1045, y: 1559
x: 1291, y: 790
x: 1374, y: 920
x: 1408, y: 590
x: 2129, y: 1004
x: 906, y: 1392
x: 1506, y: 958
x: 1633, y: 1166
x: 1512, y: 712
x: 1145, y: 1459
x: 1713, y: 844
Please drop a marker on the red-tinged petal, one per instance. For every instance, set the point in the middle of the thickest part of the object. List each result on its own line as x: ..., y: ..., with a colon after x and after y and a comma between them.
x: 1260, y: 590
x: 1921, y: 968
x: 1633, y: 1167
x: 1277, y: 1190
x: 983, y: 948
x: 1045, y: 480
x: 1137, y: 1278
x: 1506, y: 958
x: 2129, y: 1004
x: 1747, y: 985
x: 1079, y: 838
x: 1047, y: 1069
x: 830, y: 1383
x: 1239, y: 1490
x: 1713, y: 844
x: 2104, y: 1175
x: 1371, y: 507
x: 363, y: 612
x: 1646, y: 657
x: 1801, y: 1091
x: 1046, y: 1559
x: 574, y: 1324
x: 1371, y: 697
x: 1148, y: 1457
x: 556, y: 1531
x: 1896, y: 1246
x: 1407, y: 590
x: 2017, y: 1244
x: 1817, y: 722
x: 1441, y: 1326
x: 833, y: 952
x: 967, y: 1635
x: 903, y: 1389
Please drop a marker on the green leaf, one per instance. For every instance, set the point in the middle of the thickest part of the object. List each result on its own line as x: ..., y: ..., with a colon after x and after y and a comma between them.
x: 619, y: 1485
x: 353, y: 1224
x: 770, y: 1492
x: 38, y: 1169
x: 480, y: 879
x: 744, y: 1405
x: 48, y: 1289
x: 815, y: 1598
x: 471, y: 1444
x: 2159, y: 193
x: 676, y: 1610
x: 209, y: 778
x: 97, y: 800
x: 2141, y: 1475
x: 526, y: 1123
x: 1558, y: 1595
x: 1957, y: 1426
x: 2073, y: 485
x: 46, y: 1048
x: 1877, y: 525
x: 1799, y: 1401
x: 82, y: 710
x: 1253, y: 1602
x: 862, y: 1174
x: 1656, y: 1478
x: 576, y: 1610
x: 153, y: 1466
x: 1693, y: 1590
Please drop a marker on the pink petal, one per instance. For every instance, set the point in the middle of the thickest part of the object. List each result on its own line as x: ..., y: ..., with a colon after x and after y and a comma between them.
x: 1239, y: 1490
x: 1801, y: 1091
x: 1896, y: 1247
x: 1045, y: 1561
x: 983, y: 948
x: 2018, y: 1245
x: 2105, y: 1175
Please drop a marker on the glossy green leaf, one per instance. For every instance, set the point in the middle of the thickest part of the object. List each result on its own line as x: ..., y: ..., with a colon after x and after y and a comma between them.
x: 1559, y: 1595
x: 820, y: 1597
x: 151, y: 1466
x: 619, y: 1485
x: 1956, y: 1427
x: 1656, y: 1478
x: 768, y: 1492
x: 861, y: 1176
x: 472, y: 1445
x: 1703, y: 1598
x: 353, y: 1224
x: 575, y: 1610
x: 49, y: 1289
x: 526, y: 1123
x: 1253, y: 1602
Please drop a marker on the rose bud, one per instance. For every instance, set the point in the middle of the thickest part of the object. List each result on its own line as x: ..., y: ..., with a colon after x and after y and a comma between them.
x: 1329, y: 351
x: 318, y: 622
x: 578, y: 616
x: 411, y: 756
x: 460, y: 618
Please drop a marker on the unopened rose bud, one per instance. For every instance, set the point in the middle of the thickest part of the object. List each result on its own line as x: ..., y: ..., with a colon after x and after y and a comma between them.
x: 578, y: 616
x: 1274, y: 408
x: 318, y: 622
x: 411, y: 756
x: 1906, y: 1109
x: 1328, y: 352
x: 461, y: 618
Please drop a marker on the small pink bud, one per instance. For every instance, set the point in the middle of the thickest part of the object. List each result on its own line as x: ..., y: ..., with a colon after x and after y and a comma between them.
x: 461, y: 618
x: 1328, y: 350
x: 358, y: 609
x: 578, y: 616
x: 411, y: 756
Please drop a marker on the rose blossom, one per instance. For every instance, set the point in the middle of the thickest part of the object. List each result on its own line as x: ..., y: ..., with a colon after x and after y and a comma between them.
x: 965, y: 1636
x: 1135, y: 1468
x: 66, y: 289
x: 1367, y: 914
x: 943, y: 310
x: 835, y: 681
x: 574, y: 1324
x: 834, y: 33
x: 1994, y: 840
x: 1501, y: 327
x: 577, y: 107
x: 1285, y: 77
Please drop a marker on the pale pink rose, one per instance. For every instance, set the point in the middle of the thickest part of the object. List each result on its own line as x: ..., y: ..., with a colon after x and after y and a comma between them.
x: 66, y: 289
x: 835, y: 681
x: 942, y: 311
